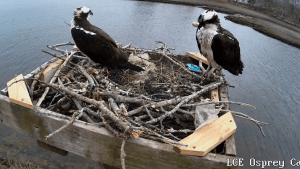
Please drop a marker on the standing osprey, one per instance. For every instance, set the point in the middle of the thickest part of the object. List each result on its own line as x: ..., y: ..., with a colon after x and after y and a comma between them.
x: 218, y: 45
x: 96, y: 43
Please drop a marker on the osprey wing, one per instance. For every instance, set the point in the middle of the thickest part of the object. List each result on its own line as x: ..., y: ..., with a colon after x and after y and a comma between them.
x: 197, y: 39
x: 226, y: 52
x: 99, y: 46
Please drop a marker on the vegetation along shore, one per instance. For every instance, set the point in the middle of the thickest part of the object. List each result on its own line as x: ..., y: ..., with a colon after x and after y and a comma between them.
x: 279, y: 19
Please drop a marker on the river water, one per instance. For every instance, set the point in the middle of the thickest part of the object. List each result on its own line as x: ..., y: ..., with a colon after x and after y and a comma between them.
x: 270, y: 80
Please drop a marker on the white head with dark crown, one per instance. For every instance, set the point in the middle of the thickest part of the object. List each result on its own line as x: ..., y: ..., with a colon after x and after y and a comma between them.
x: 208, y: 17
x: 82, y: 13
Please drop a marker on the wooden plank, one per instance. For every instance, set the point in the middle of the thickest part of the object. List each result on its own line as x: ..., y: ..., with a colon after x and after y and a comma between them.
x: 197, y: 56
x: 30, y: 75
x: 97, y: 143
x: 18, y: 92
x: 230, y: 147
x: 214, y: 95
x: 49, y: 72
x: 205, y: 139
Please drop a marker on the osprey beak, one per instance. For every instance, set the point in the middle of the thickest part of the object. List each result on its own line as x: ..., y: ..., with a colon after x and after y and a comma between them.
x: 91, y: 13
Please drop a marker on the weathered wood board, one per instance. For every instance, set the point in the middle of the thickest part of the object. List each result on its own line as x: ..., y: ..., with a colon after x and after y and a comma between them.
x: 214, y: 95
x: 197, y: 56
x: 97, y: 143
x: 230, y: 148
x: 49, y: 72
x: 208, y: 137
x: 18, y: 92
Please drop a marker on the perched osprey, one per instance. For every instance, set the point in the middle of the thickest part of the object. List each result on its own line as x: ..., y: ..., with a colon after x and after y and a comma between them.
x: 218, y: 45
x: 96, y: 43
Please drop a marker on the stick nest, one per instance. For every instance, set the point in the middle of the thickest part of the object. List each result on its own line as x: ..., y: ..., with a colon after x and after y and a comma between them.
x: 126, y: 102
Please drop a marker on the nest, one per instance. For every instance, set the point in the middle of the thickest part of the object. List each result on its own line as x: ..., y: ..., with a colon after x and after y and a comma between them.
x: 148, y: 104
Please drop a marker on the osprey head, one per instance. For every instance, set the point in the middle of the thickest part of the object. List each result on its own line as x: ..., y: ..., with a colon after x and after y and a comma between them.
x: 82, y: 13
x: 208, y: 17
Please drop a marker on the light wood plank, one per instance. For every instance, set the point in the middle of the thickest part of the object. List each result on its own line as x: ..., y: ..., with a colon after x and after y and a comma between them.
x: 214, y: 95
x: 197, y: 56
x: 18, y: 92
x: 205, y: 139
x: 49, y: 72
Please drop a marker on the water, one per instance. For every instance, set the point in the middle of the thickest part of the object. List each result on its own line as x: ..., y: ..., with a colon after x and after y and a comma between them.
x: 269, y: 81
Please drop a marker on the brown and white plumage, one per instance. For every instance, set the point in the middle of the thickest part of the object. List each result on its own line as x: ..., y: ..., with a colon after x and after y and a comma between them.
x: 96, y: 43
x: 218, y: 45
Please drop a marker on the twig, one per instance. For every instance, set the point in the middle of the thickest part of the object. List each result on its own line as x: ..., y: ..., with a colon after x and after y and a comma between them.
x: 164, y: 53
x: 63, y: 127
x: 212, y: 102
x: 244, y: 116
x: 113, y: 131
x: 61, y: 57
x: 37, y: 76
x: 148, y: 112
x: 113, y: 105
x: 56, y: 49
x: 171, y: 130
x: 54, y: 78
x: 54, y: 55
x: 79, y: 107
x: 123, y: 109
x: 86, y: 74
x: 67, y: 23
x: 120, y: 98
x: 160, y: 136
x: 123, y: 155
x: 187, y: 99
x: 122, y: 125
x: 63, y: 44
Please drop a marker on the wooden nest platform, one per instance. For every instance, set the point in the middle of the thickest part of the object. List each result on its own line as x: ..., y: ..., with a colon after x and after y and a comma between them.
x: 91, y: 110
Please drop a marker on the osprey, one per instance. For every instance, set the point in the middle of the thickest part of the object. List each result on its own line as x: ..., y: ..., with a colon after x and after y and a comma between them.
x: 96, y: 43
x: 218, y: 45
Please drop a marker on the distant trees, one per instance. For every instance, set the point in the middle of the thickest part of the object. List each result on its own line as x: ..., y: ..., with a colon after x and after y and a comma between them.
x: 288, y: 10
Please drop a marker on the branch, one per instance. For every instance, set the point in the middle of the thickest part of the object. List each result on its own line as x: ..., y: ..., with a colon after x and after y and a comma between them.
x: 212, y: 102
x: 37, y: 76
x: 63, y: 127
x: 187, y: 99
x: 86, y: 74
x: 120, y: 98
x: 113, y: 105
x: 123, y: 155
x: 244, y: 116
x: 164, y: 51
x: 63, y: 44
x: 54, y: 78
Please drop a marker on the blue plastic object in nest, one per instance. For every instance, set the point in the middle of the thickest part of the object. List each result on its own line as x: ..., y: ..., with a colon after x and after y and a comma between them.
x: 193, y: 67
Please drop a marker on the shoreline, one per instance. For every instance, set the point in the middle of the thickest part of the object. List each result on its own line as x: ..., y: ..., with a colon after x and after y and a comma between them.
x: 265, y: 24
